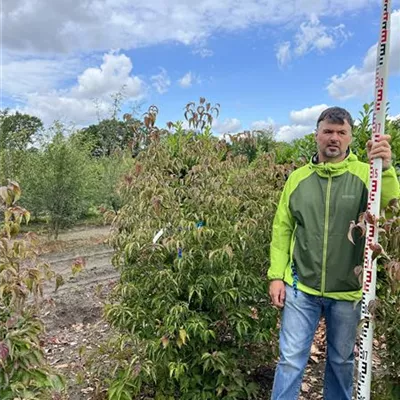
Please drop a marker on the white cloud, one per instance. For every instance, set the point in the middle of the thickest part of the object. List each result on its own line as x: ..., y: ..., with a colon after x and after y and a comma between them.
x: 188, y: 79
x: 22, y: 76
x: 308, y: 115
x: 203, y: 52
x: 161, y: 81
x: 92, y: 93
x: 229, y: 125
x: 262, y: 124
x: 112, y: 75
x: 315, y: 36
x: 354, y: 82
x: 359, y: 81
x: 288, y: 133
x: 302, y: 121
x: 55, y: 106
x: 312, y: 36
x: 83, y: 25
x: 283, y: 53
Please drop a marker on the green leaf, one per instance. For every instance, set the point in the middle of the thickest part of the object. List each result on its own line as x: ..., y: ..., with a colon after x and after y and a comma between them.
x: 59, y: 282
x: 183, y: 336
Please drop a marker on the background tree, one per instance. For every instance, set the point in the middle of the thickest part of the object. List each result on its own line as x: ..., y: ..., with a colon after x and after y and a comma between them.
x: 17, y: 132
x: 60, y: 180
x: 252, y: 143
x: 110, y: 172
x: 105, y: 137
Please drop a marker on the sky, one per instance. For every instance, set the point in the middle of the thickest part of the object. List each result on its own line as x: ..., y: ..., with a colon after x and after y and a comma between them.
x: 268, y: 63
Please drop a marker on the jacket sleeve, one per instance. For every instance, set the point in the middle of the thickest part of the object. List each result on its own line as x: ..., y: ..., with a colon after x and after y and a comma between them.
x: 282, y: 230
x: 390, y: 187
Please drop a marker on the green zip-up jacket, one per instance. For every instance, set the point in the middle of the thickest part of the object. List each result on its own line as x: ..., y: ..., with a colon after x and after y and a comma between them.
x: 309, y: 235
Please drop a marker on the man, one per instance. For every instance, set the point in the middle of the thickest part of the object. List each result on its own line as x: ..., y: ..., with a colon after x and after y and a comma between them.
x: 313, y: 261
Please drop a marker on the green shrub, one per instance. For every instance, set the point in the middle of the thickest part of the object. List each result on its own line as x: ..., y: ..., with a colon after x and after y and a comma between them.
x: 192, y: 308
x: 24, y: 372
x: 387, y: 318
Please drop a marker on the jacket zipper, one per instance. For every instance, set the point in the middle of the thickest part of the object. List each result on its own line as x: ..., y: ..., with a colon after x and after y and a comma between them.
x: 326, y: 228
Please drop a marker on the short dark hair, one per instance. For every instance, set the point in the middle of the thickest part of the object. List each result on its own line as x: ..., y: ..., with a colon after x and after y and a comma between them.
x: 336, y: 115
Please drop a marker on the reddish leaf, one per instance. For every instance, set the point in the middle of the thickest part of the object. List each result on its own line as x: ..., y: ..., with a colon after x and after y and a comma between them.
x: 387, y: 227
x: 393, y: 270
x: 370, y: 218
x: 350, y: 231
x: 358, y: 271
x: 3, y: 351
x: 353, y: 226
x: 164, y: 341
x: 11, y: 322
x: 138, y: 169
x: 377, y: 250
x: 393, y: 204
x: 200, y: 110
x: 153, y: 109
x: 128, y: 179
x: 156, y: 205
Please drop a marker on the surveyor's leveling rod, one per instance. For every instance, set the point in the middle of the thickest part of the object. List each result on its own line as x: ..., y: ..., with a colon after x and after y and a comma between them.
x: 369, y: 276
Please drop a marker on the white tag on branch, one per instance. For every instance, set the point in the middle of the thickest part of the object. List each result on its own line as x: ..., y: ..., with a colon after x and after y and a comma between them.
x: 158, y: 235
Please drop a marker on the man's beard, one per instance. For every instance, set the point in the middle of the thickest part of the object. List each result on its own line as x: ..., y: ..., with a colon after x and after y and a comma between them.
x: 332, y: 153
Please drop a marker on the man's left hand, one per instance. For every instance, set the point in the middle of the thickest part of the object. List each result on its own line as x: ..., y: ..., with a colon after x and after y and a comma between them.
x: 381, y: 149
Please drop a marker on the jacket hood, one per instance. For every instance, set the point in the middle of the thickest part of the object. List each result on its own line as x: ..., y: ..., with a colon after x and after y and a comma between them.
x: 330, y: 168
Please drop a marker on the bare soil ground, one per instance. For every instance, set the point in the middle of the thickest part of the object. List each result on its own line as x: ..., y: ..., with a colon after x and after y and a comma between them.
x: 74, y: 323
x: 73, y: 317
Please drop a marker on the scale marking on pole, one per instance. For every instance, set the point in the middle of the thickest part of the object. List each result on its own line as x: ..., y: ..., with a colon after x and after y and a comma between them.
x: 374, y: 194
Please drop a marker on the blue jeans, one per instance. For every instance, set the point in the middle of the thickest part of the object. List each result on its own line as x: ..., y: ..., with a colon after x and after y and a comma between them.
x: 300, y: 318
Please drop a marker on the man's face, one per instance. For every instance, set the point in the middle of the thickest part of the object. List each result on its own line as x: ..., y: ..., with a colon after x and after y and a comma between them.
x: 333, y: 140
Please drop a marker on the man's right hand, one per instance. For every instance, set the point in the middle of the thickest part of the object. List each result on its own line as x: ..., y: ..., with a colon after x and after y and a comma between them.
x: 277, y: 292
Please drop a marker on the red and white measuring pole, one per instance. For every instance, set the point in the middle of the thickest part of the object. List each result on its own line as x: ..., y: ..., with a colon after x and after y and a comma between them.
x: 369, y: 277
